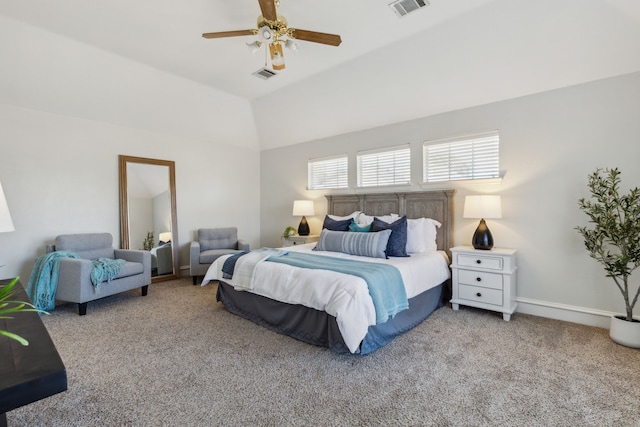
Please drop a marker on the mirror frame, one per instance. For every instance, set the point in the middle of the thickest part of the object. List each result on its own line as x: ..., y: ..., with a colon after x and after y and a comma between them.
x: 124, y: 209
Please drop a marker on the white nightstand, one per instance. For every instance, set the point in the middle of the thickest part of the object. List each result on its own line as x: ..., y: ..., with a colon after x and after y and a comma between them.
x: 300, y: 240
x: 484, y: 279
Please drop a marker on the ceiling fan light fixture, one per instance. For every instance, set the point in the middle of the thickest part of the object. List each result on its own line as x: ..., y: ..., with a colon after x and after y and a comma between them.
x: 277, y: 57
x: 254, y: 47
x: 291, y: 44
x: 266, y: 34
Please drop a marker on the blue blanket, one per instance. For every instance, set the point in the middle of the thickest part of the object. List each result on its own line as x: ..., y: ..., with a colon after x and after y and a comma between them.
x: 230, y: 264
x: 384, y: 281
x: 105, y: 269
x: 43, y: 282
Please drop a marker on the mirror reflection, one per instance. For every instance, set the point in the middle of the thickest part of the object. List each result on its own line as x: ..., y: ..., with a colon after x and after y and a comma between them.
x: 148, y: 214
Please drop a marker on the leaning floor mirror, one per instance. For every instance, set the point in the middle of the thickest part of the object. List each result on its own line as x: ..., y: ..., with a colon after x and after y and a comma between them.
x: 148, y: 218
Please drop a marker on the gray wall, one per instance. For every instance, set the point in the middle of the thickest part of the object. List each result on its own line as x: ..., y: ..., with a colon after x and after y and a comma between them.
x: 550, y: 142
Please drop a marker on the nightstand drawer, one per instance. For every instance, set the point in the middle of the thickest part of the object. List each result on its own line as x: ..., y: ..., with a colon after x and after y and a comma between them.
x: 296, y: 240
x: 478, y: 294
x: 480, y: 261
x: 300, y: 240
x: 480, y: 278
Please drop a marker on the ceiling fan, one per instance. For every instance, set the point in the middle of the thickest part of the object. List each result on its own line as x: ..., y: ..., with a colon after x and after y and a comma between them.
x: 273, y: 31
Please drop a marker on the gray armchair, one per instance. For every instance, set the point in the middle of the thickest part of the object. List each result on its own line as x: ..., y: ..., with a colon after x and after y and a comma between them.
x: 74, y: 283
x: 211, y: 244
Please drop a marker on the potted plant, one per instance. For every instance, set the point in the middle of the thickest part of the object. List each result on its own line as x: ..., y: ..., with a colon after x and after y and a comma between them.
x: 7, y: 306
x: 148, y: 243
x: 614, y: 241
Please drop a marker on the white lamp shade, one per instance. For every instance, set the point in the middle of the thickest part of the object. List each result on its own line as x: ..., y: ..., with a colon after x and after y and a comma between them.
x: 6, y: 224
x: 483, y: 206
x: 303, y: 208
x: 165, y: 237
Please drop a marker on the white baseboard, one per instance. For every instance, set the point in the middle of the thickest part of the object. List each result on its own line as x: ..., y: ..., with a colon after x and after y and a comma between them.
x: 568, y: 313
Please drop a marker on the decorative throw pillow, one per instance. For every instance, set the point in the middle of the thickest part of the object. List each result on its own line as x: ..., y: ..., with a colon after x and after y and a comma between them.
x: 371, y: 245
x: 359, y: 228
x: 415, y: 231
x: 421, y: 235
x: 430, y: 233
x: 397, y: 244
x: 335, y: 225
x: 353, y: 215
x: 368, y: 219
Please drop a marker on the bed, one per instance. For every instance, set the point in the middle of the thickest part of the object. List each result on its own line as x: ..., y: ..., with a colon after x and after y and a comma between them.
x: 337, y: 310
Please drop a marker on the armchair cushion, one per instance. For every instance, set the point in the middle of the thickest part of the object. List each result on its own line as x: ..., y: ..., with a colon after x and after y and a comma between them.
x: 218, y: 238
x: 87, y: 246
x: 207, y: 257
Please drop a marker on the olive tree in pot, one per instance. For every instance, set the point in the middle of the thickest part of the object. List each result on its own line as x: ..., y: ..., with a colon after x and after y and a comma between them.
x: 613, y: 239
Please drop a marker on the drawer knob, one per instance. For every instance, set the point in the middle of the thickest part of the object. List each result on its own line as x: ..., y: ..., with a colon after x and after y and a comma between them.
x: 478, y: 261
x: 478, y: 279
x: 478, y: 294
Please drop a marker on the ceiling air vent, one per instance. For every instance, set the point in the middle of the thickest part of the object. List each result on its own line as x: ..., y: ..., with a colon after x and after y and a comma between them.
x: 265, y: 73
x: 404, y: 7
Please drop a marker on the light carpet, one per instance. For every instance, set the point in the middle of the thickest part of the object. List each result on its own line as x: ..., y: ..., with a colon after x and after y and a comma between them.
x: 177, y: 358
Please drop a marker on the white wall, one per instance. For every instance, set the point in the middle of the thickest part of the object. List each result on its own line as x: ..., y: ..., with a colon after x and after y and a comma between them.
x: 140, y: 221
x: 513, y: 48
x: 60, y: 175
x: 550, y: 142
x: 47, y: 72
x: 67, y: 110
x: 161, y: 215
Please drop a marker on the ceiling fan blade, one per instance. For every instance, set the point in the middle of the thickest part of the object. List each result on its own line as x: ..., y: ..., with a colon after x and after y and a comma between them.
x: 228, y: 34
x: 315, y: 37
x: 268, y: 8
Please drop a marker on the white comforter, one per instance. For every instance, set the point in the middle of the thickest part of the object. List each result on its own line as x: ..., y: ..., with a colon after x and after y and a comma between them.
x: 343, y: 296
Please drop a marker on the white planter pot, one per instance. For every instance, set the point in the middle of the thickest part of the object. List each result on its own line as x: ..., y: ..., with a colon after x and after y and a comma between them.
x: 624, y: 332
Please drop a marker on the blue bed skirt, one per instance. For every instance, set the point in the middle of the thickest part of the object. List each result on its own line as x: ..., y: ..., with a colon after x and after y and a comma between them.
x: 318, y: 327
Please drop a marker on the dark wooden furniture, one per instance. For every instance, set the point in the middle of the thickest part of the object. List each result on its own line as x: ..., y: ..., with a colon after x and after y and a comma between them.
x: 27, y: 373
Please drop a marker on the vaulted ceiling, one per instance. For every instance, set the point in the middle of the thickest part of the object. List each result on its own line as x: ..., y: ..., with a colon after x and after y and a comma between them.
x: 452, y: 54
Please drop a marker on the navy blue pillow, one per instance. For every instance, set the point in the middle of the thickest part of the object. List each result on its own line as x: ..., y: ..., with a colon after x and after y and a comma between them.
x: 335, y: 225
x: 397, y: 245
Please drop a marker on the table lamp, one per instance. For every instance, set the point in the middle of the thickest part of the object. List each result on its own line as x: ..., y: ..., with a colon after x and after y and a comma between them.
x: 483, y: 206
x: 5, y: 217
x: 302, y: 208
x: 165, y: 237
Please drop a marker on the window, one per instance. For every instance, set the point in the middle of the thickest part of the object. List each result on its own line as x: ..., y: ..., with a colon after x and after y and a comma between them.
x: 463, y: 158
x: 389, y: 166
x: 328, y: 172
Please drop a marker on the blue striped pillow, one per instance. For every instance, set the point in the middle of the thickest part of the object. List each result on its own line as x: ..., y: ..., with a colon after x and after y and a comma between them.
x: 371, y: 245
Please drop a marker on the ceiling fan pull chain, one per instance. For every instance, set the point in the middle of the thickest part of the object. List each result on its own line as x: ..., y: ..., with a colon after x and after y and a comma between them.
x: 266, y: 55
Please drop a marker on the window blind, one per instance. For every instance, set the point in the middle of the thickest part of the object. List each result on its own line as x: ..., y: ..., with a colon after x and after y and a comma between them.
x: 384, y: 167
x: 467, y: 158
x: 328, y: 172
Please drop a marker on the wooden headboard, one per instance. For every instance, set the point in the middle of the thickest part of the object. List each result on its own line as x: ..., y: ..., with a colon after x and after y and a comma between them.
x: 436, y: 205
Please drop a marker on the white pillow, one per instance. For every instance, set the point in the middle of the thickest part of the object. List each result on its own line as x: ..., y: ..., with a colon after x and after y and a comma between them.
x: 421, y: 235
x: 354, y: 215
x: 364, y: 219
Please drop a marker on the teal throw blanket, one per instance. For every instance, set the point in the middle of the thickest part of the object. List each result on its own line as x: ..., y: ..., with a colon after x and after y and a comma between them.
x: 43, y: 282
x: 384, y: 281
x: 105, y: 269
